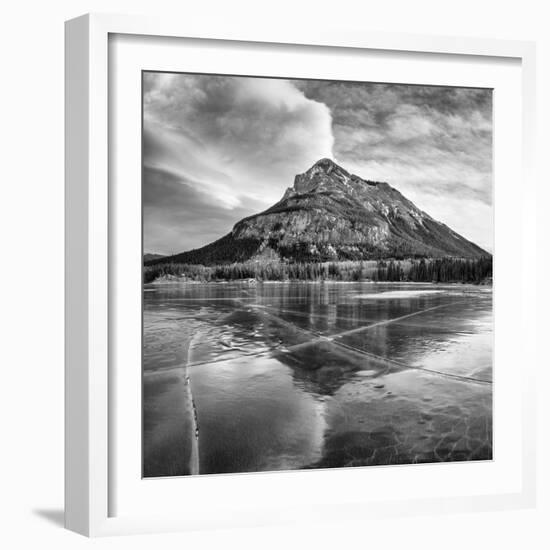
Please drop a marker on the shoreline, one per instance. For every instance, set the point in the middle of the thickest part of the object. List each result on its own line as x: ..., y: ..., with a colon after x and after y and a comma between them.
x: 254, y: 282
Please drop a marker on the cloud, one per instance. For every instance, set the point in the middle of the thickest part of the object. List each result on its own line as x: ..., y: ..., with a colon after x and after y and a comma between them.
x: 231, y: 132
x: 433, y: 143
x: 233, y: 143
x: 177, y: 215
x: 219, y: 148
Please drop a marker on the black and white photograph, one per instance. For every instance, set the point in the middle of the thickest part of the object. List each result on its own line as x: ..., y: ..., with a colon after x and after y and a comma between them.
x: 317, y: 274
x: 275, y: 275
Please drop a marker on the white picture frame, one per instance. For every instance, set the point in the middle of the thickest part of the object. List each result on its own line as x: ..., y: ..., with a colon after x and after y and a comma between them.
x: 90, y: 438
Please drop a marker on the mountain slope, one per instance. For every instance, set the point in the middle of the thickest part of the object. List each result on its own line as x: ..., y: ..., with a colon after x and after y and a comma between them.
x: 330, y: 214
x: 149, y: 256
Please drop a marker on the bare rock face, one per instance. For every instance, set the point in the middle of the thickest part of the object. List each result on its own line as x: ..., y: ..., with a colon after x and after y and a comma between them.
x: 330, y: 214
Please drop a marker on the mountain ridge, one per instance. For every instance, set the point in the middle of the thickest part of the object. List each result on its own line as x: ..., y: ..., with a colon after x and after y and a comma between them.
x: 330, y: 214
x: 149, y: 256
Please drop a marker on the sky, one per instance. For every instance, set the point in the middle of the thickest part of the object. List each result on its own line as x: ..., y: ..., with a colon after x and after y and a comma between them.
x: 218, y: 148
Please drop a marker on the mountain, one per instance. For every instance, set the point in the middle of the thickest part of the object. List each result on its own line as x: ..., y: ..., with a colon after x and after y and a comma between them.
x: 149, y: 256
x: 330, y: 215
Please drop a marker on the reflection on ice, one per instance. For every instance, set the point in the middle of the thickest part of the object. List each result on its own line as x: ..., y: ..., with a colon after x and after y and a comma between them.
x: 288, y: 376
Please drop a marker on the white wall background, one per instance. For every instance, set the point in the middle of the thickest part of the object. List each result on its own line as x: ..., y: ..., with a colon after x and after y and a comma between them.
x: 31, y: 305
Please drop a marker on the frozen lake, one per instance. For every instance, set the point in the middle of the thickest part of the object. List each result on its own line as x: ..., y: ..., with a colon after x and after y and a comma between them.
x: 242, y: 377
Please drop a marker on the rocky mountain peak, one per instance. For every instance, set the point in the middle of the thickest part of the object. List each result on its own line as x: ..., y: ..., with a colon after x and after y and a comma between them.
x: 327, y: 165
x: 319, y: 176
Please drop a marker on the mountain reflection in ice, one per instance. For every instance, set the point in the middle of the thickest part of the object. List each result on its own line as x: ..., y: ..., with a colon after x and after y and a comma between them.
x: 278, y: 376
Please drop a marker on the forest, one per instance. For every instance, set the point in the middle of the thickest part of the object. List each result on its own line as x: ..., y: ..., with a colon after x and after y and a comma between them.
x: 440, y: 270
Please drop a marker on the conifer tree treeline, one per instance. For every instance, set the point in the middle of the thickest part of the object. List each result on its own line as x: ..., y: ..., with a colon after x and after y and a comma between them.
x: 443, y: 270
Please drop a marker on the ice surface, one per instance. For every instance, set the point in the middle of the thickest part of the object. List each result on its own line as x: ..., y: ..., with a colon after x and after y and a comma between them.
x: 293, y: 375
x: 396, y: 294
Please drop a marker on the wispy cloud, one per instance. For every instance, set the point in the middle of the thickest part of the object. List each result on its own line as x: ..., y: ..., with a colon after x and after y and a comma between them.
x: 178, y: 211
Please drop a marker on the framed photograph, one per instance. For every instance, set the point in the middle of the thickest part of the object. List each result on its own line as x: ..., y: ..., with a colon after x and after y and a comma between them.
x: 300, y: 257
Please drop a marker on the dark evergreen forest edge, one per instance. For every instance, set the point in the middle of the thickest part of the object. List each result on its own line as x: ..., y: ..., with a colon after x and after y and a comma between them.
x: 440, y: 270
